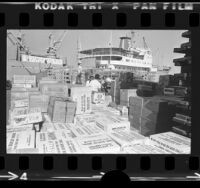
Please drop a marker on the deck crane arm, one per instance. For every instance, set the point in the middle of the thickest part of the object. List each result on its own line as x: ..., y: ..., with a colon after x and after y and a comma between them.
x: 55, y: 45
x: 145, y: 44
x: 15, y: 41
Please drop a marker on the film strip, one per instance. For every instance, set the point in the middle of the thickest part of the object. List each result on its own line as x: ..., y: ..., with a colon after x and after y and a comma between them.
x: 101, y: 16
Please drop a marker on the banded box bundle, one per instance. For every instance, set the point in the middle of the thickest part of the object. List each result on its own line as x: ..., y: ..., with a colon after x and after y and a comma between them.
x: 172, y: 142
x: 70, y: 111
x: 39, y: 101
x: 112, y: 123
x: 20, y: 140
x: 82, y: 96
x: 52, y: 143
x: 126, y: 138
x: 149, y: 115
x: 144, y: 149
x: 24, y: 79
x: 98, y: 144
x: 61, y: 109
x: 98, y: 97
x: 57, y: 89
x: 87, y: 130
x: 125, y: 94
x: 57, y: 112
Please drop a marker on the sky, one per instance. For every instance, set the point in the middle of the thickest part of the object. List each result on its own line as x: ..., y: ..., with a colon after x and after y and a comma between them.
x: 161, y: 43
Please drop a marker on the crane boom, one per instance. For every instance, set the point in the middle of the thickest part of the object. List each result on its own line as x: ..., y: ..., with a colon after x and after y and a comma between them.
x: 15, y: 41
x: 145, y: 44
x: 55, y: 45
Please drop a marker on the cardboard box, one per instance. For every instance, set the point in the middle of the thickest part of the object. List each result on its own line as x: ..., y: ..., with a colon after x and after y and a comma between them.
x: 87, y: 130
x: 59, y: 146
x: 19, y: 103
x: 70, y: 111
x: 22, y: 85
x: 111, y: 123
x: 59, y: 90
x: 18, y: 111
x: 125, y: 94
x: 11, y: 129
x: 98, y: 144
x: 56, y: 143
x: 57, y: 112
x: 98, y: 97
x: 142, y: 148
x: 35, y: 117
x: 20, y: 140
x: 82, y: 97
x: 35, y: 110
x: 26, y: 119
x: 173, y: 142
x: 126, y: 138
x: 86, y: 119
x: 19, y: 95
x: 39, y: 101
x: 24, y: 79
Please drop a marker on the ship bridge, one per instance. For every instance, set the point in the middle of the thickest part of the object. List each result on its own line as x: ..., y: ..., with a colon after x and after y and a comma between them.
x: 115, y: 53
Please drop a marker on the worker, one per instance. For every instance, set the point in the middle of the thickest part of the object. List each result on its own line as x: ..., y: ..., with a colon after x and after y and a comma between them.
x: 89, y: 80
x: 95, y: 84
x: 79, y: 73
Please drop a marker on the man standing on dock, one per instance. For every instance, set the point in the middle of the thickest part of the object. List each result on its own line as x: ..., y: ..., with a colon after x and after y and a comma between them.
x: 79, y: 73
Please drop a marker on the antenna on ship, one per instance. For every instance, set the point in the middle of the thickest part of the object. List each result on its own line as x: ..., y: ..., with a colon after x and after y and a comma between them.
x: 110, y: 46
x: 132, y: 39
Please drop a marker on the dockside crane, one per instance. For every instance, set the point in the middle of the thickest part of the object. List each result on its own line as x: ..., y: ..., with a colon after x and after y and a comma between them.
x: 19, y: 42
x: 54, y: 45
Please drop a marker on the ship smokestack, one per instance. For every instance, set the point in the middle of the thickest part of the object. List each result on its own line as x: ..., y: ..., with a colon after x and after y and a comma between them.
x: 125, y: 43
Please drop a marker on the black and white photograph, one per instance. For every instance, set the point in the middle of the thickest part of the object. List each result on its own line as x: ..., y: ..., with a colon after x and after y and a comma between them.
x: 98, y: 91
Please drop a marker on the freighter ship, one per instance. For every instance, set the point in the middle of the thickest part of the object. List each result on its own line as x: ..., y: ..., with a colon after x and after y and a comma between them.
x: 126, y: 57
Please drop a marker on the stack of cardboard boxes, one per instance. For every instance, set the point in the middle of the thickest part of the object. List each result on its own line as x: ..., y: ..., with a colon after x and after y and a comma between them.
x: 61, y: 109
x: 125, y: 94
x: 82, y: 97
x: 148, y: 115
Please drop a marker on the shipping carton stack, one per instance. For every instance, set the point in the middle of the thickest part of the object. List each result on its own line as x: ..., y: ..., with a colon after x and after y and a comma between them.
x: 54, y: 89
x: 148, y: 115
x: 61, y: 109
x: 125, y: 94
x: 83, y: 98
x: 57, y: 109
x: 70, y: 111
x: 172, y: 142
x: 182, y: 125
x: 183, y: 87
x: 26, y: 81
x: 39, y: 101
